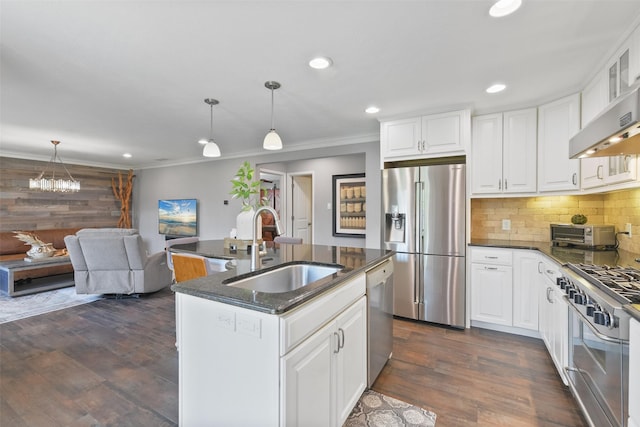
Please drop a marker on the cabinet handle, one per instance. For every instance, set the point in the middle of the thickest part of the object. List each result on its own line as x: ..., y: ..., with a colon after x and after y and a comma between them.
x: 600, y: 169
x: 490, y: 257
x: 424, y: 145
x: 548, y: 298
x: 627, y: 160
x: 505, y: 183
x: 551, y: 272
x: 419, y: 145
x: 499, y: 184
x: 539, y: 265
x: 491, y: 268
x: 342, y: 335
x: 574, y: 178
x: 338, y: 346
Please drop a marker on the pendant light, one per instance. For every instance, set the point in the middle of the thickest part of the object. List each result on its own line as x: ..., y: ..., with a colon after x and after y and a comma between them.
x: 272, y: 141
x: 210, y: 149
x: 52, y: 184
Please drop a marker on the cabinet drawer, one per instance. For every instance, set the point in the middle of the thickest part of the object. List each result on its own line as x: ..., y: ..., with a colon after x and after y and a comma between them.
x: 301, y: 323
x: 491, y: 256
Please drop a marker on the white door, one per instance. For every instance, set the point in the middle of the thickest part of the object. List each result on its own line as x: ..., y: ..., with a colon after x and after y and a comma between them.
x: 301, y: 215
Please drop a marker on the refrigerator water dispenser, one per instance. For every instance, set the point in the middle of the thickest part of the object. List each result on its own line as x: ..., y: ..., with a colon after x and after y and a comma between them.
x: 394, y: 228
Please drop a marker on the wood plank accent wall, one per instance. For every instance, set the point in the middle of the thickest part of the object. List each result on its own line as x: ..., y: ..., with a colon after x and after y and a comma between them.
x: 24, y: 209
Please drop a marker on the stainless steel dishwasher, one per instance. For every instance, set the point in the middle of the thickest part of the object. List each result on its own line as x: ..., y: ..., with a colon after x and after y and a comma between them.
x: 379, y: 318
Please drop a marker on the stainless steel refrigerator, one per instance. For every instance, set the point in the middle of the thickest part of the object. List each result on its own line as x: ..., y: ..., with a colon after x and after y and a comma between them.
x: 423, y: 209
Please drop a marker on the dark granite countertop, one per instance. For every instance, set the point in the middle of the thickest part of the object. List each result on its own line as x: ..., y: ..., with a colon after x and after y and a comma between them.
x: 564, y: 255
x: 354, y: 261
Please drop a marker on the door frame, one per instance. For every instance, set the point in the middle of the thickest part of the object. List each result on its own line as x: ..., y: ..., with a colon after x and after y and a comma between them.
x: 283, y: 193
x: 289, y: 191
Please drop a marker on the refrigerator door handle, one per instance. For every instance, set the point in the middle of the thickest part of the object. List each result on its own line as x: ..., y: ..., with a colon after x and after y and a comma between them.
x: 417, y: 283
x: 417, y: 215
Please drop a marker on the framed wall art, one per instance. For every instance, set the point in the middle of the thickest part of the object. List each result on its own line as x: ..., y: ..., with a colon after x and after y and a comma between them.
x: 349, y: 205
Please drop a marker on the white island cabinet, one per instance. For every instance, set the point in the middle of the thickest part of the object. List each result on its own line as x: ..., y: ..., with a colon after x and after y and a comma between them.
x: 240, y: 367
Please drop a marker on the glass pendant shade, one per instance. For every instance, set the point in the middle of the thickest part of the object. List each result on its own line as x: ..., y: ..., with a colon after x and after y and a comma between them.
x: 272, y: 141
x: 211, y: 149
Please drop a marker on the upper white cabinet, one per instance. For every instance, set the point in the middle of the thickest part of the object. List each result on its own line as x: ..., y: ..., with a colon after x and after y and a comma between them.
x: 426, y: 136
x: 594, y: 98
x: 618, y: 77
x: 558, y: 121
x: 504, y: 152
x: 600, y: 171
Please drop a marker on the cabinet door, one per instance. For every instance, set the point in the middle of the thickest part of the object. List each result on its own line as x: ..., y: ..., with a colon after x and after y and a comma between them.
x: 592, y: 172
x: 526, y: 278
x: 560, y: 332
x: 519, y: 165
x: 486, y: 147
x: 620, y: 169
x: 351, y: 359
x: 308, y: 380
x: 558, y: 121
x: 401, y: 138
x: 491, y: 294
x: 443, y: 132
x: 594, y: 98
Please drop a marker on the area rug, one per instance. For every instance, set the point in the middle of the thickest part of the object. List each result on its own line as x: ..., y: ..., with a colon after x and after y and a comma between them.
x: 377, y: 410
x: 14, y: 308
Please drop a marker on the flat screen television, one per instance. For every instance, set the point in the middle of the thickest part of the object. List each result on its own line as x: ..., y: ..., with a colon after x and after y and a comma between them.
x: 178, y: 217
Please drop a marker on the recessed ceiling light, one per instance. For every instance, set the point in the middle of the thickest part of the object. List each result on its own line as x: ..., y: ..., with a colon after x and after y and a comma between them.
x: 127, y: 155
x: 320, y: 63
x: 498, y: 87
x: 372, y: 110
x: 504, y: 7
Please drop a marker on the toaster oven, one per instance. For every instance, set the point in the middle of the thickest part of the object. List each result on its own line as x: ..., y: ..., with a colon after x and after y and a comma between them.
x: 585, y: 235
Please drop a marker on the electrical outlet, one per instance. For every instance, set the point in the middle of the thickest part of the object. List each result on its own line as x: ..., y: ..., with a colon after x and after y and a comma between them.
x: 627, y: 228
x: 506, y: 224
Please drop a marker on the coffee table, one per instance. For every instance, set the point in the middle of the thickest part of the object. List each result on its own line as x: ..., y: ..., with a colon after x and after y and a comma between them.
x: 11, y: 286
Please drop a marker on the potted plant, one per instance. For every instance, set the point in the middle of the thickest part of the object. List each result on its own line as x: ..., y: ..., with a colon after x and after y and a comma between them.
x: 245, y: 188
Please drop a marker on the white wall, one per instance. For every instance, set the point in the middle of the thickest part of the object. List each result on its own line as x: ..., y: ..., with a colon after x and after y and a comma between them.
x: 323, y: 170
x: 209, y: 182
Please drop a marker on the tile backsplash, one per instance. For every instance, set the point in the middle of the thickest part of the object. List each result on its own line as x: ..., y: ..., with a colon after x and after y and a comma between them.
x: 530, y: 216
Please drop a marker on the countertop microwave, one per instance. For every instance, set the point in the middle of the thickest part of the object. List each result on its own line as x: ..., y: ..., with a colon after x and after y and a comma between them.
x: 585, y: 235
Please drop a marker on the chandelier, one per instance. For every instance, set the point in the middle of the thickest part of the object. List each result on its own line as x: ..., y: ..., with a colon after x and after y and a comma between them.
x: 53, y: 184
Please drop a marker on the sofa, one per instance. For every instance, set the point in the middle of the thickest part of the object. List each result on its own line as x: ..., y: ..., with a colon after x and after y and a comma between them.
x: 114, y: 261
x: 13, y: 249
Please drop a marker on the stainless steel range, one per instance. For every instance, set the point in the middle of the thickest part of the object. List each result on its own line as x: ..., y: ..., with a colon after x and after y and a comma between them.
x: 598, y: 368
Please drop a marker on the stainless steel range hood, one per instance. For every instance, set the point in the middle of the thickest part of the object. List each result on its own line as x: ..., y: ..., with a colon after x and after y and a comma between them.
x: 613, y: 132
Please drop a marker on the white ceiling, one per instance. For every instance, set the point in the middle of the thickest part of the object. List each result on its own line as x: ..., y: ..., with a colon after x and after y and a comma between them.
x: 108, y: 77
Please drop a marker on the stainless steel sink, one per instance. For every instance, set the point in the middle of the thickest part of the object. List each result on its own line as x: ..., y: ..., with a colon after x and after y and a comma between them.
x: 284, y: 279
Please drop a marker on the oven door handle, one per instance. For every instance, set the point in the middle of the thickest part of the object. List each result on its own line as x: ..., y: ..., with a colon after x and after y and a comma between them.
x: 598, y: 334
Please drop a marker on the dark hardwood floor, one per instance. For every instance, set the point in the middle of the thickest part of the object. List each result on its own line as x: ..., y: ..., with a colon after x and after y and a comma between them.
x: 114, y: 362
x: 476, y: 377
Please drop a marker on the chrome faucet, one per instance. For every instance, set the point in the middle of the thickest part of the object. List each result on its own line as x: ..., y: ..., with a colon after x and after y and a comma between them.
x: 255, y: 250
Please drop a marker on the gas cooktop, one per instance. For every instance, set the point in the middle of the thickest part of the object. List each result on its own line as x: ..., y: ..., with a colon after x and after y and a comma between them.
x: 621, y: 283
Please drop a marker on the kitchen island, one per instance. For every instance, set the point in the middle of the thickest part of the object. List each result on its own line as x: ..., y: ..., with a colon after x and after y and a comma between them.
x: 272, y: 359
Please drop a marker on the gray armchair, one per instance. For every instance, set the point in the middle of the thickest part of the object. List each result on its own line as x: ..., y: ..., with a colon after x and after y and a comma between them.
x: 114, y: 261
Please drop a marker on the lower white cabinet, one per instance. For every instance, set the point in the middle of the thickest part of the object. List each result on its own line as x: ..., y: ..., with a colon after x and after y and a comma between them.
x: 324, y: 377
x: 492, y: 293
x: 525, y: 289
x: 554, y: 316
x: 491, y: 285
x: 634, y: 374
x: 304, y: 368
x: 504, y: 287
